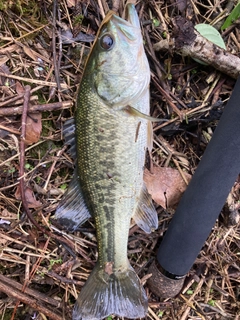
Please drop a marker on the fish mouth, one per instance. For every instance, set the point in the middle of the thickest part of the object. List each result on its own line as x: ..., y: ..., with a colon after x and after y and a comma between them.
x: 132, y: 16
x: 126, y: 26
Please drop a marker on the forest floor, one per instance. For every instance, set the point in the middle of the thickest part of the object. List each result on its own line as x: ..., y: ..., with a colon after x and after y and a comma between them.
x: 42, y: 269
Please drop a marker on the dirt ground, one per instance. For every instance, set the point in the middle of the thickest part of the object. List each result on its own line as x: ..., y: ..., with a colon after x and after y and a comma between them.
x: 42, y: 269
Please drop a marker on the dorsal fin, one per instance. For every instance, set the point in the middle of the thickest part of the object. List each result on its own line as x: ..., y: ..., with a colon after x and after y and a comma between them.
x: 69, y: 136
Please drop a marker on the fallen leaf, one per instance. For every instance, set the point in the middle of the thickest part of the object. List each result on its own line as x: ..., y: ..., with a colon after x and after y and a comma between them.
x: 19, y: 88
x: 5, y: 214
x: 30, y: 197
x: 33, y: 128
x: 31, y: 53
x: 165, y: 185
x: 41, y: 50
x: 3, y: 59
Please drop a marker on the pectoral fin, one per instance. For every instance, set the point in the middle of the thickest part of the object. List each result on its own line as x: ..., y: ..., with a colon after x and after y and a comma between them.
x: 145, y: 214
x: 135, y: 113
x: 149, y: 136
x: 72, y: 210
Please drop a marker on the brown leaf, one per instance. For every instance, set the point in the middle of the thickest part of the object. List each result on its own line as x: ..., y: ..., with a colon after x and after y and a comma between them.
x: 33, y: 128
x: 19, y: 88
x: 3, y: 59
x: 5, y: 214
x: 30, y: 197
x: 31, y: 53
x: 165, y: 185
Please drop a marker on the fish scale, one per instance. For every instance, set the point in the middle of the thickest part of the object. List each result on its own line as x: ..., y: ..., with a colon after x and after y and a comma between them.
x: 111, y: 138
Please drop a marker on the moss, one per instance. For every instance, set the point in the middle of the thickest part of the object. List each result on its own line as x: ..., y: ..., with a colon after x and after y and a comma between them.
x: 78, y: 19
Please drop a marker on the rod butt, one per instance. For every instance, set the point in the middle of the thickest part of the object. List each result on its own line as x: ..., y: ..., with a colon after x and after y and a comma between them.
x: 161, y: 285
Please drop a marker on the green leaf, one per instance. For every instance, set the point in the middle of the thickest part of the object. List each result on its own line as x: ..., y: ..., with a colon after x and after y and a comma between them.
x: 211, y: 303
x: 211, y: 34
x: 28, y: 166
x: 234, y: 15
x: 156, y: 22
x: 160, y: 314
x: 63, y: 186
x: 189, y: 292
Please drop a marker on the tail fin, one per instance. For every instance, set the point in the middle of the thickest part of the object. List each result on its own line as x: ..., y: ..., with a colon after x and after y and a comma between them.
x: 105, y: 293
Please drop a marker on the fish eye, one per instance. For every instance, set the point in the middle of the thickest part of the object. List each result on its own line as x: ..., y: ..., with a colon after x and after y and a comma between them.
x: 107, y: 42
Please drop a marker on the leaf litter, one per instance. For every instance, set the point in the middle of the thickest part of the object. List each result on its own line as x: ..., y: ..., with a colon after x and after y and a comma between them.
x: 196, y: 96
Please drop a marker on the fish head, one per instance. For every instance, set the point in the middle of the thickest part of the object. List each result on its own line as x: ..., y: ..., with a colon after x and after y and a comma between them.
x: 118, y: 64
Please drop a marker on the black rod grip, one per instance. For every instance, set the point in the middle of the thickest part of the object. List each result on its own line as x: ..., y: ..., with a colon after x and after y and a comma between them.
x: 206, y: 194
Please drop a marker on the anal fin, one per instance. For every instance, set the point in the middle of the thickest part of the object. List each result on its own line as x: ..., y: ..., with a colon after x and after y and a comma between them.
x: 72, y: 210
x: 145, y: 214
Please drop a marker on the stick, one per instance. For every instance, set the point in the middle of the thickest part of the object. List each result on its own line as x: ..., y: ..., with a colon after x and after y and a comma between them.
x: 38, y: 295
x: 22, y: 156
x: 13, y: 292
x: 168, y: 98
x: 188, y: 42
x: 10, y: 111
x: 39, y: 82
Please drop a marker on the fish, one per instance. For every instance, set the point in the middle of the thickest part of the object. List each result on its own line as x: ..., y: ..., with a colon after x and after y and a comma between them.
x: 108, y: 139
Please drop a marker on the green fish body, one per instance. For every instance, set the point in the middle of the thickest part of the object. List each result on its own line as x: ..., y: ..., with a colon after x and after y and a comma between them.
x: 111, y: 143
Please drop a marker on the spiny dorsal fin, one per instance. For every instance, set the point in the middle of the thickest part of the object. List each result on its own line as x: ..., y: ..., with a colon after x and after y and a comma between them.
x: 70, y: 137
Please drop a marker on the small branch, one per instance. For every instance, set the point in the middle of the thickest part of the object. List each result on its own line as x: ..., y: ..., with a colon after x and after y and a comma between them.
x: 188, y: 42
x: 101, y: 9
x: 38, y: 295
x: 59, y: 153
x: 30, y: 80
x: 11, y: 100
x: 168, y: 98
x: 22, y: 156
x: 35, y: 303
x: 55, y: 58
x: 10, y: 111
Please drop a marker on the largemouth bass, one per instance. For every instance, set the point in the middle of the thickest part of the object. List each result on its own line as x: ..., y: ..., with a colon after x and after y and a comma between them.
x: 111, y: 141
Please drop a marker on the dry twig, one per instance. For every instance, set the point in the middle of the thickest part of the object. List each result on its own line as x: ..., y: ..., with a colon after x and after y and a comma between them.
x: 11, y: 111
